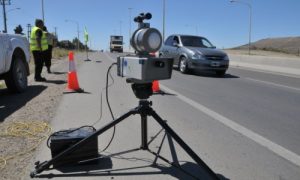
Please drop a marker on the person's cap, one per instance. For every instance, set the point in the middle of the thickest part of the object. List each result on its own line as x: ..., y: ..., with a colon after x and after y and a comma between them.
x: 38, y: 21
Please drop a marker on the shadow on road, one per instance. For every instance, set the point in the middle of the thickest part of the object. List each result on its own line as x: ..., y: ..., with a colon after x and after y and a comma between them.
x: 10, y: 103
x: 58, y: 82
x: 59, y: 73
x: 211, y: 74
x: 179, y: 169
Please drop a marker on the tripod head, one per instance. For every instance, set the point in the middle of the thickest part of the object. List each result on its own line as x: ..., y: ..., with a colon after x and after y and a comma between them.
x: 142, y: 91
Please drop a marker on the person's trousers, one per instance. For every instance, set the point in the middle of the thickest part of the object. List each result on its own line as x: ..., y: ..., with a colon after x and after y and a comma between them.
x: 48, y: 56
x: 38, y: 61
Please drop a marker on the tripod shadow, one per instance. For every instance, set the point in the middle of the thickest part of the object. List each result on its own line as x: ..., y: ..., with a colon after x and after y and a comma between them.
x: 103, y: 166
x: 187, y: 170
x: 175, y: 168
x: 163, y: 93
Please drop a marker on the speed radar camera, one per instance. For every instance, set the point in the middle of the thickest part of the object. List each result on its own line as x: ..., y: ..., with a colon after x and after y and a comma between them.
x: 142, y: 67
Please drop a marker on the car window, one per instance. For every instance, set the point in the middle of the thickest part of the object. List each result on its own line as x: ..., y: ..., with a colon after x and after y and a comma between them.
x: 195, y: 41
x: 169, y: 41
x: 206, y: 43
x: 176, y: 40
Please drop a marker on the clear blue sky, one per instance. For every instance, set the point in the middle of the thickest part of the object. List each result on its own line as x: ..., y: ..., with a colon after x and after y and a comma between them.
x: 225, y: 24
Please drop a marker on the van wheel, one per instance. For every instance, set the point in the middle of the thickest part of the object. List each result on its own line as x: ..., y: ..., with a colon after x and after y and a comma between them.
x: 16, y: 79
x: 183, y: 65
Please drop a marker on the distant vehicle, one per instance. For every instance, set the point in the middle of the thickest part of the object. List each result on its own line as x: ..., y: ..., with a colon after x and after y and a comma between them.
x: 194, y: 52
x: 116, y: 43
x: 14, y: 61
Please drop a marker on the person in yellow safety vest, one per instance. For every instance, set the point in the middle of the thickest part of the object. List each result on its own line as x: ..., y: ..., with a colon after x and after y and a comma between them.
x: 48, y: 53
x: 38, y: 44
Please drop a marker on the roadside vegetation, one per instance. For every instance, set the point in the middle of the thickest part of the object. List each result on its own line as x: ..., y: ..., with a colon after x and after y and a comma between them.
x: 283, y: 45
x: 257, y: 52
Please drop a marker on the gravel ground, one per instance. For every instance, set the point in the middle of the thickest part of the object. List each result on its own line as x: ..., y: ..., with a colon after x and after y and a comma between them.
x: 39, y: 104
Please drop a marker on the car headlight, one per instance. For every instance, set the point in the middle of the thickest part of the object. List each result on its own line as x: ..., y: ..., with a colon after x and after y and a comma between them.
x: 226, y: 58
x: 197, y: 56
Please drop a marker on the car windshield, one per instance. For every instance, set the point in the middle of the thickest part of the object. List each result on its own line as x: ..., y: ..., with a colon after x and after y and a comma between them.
x: 195, y: 41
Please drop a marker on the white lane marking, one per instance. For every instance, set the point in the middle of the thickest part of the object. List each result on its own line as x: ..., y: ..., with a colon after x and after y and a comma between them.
x: 274, y: 84
x: 277, y: 149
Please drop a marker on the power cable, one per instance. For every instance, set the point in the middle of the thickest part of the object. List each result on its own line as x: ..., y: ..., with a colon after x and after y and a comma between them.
x: 108, y: 104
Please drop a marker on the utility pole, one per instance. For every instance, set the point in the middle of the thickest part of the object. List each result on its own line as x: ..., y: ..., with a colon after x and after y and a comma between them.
x: 4, y: 13
x: 55, y: 32
x: 249, y: 5
x: 77, y: 31
x: 164, y: 19
x: 28, y: 31
x: 129, y: 46
x: 43, y: 15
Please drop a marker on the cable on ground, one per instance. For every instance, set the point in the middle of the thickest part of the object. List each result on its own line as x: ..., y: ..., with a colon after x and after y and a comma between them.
x: 109, y: 107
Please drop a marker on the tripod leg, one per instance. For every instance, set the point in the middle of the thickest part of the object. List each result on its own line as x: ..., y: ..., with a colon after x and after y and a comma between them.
x: 144, y: 132
x: 187, y: 149
x: 45, y: 165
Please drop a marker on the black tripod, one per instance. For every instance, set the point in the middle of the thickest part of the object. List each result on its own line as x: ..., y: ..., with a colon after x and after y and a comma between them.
x: 144, y: 109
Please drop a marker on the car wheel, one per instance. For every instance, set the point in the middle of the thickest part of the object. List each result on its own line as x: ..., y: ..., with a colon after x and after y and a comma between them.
x: 16, y: 79
x: 183, y: 65
x: 220, y: 73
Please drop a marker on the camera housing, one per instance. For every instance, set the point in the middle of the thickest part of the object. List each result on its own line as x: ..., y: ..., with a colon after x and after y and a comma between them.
x: 142, y: 67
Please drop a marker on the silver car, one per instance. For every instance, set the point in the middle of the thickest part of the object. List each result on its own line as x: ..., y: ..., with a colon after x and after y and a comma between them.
x: 194, y: 52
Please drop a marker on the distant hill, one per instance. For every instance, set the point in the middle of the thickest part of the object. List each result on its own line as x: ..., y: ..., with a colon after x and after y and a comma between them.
x: 290, y: 45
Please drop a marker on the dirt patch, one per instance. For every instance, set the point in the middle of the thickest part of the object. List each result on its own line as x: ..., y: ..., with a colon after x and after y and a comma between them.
x: 37, y: 104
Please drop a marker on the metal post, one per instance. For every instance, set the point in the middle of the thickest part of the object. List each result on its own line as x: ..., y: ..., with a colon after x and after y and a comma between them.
x: 43, y: 15
x: 28, y: 31
x: 164, y: 19
x: 55, y: 32
x: 4, y: 17
x: 250, y: 26
x: 250, y: 20
x: 144, y: 132
x: 90, y: 42
x: 77, y: 24
x: 129, y: 46
x: 77, y: 36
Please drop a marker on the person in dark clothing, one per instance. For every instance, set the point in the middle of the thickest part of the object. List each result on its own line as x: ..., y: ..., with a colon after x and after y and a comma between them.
x: 48, y: 52
x: 38, y: 44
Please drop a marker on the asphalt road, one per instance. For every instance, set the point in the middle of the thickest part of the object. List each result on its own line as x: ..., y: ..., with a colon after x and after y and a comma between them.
x: 244, y: 126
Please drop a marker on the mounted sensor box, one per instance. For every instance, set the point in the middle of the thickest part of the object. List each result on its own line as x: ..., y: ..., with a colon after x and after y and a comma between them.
x: 145, y: 69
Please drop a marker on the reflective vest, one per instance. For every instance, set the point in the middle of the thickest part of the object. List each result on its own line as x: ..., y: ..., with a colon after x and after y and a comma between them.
x: 50, y: 38
x: 33, y: 40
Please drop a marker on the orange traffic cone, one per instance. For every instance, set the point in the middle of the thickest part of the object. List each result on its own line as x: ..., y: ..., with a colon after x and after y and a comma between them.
x: 155, y: 86
x: 73, y: 85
